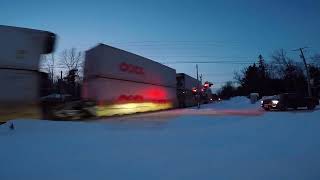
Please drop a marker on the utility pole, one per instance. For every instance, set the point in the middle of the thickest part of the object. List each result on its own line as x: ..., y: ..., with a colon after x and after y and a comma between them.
x: 52, y: 78
x: 60, y: 83
x: 198, y: 88
x: 306, y: 66
x: 197, y: 71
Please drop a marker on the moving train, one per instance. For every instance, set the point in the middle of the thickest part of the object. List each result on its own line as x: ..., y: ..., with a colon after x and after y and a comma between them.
x: 116, y: 81
x: 122, y: 83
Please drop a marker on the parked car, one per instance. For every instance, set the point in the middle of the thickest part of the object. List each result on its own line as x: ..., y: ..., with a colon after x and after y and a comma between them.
x: 289, y: 100
x: 56, y: 98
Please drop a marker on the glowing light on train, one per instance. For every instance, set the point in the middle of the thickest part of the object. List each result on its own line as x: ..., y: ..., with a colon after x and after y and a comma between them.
x: 129, y: 108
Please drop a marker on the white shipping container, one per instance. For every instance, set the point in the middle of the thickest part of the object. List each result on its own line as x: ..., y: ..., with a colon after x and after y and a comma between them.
x: 187, y: 82
x: 19, y: 94
x: 19, y: 86
x: 111, y: 91
x: 116, y: 77
x: 21, y: 47
x: 111, y: 62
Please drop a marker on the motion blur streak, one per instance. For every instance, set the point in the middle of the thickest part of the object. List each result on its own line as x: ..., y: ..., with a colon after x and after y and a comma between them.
x: 195, y: 112
x: 130, y: 108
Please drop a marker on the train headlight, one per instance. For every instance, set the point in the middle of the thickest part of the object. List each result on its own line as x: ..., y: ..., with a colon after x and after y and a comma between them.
x: 275, y: 101
x: 261, y: 102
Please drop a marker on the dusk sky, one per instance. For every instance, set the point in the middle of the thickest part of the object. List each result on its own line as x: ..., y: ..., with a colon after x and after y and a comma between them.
x: 173, y: 31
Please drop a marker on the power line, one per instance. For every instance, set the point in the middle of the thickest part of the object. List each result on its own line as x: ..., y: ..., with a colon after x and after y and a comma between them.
x: 167, y: 45
x: 208, y: 62
x: 172, y: 42
x: 202, y: 56
x: 223, y: 82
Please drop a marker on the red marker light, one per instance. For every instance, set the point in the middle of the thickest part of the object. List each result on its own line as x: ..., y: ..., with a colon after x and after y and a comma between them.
x: 194, y: 90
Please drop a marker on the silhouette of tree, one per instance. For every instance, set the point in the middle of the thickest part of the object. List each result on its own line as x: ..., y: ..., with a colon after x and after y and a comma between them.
x: 227, y: 91
x: 71, y: 59
x: 49, y: 65
x: 280, y: 76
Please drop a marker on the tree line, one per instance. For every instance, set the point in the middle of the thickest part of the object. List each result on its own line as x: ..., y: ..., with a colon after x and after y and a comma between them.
x: 281, y: 74
x: 62, y: 73
x: 65, y: 61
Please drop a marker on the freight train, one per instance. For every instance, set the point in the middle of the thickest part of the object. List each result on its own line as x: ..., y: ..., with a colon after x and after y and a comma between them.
x: 188, y: 93
x: 116, y: 81
x: 121, y: 82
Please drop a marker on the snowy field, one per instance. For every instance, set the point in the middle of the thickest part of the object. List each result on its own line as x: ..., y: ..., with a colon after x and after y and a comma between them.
x: 225, y: 141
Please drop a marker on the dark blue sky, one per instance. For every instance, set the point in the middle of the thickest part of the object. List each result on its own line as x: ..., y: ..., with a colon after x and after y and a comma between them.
x: 186, y: 30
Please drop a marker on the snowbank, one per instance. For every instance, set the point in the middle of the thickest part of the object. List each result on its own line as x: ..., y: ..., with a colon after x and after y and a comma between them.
x: 240, y: 102
x: 275, y: 145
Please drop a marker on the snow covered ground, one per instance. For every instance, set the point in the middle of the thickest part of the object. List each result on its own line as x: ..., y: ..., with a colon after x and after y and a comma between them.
x: 226, y: 140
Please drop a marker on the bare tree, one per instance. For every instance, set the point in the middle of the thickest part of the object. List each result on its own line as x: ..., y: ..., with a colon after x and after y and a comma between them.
x: 280, y: 57
x: 49, y: 65
x: 238, y: 76
x: 280, y: 63
x: 316, y: 59
x: 71, y: 59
